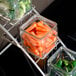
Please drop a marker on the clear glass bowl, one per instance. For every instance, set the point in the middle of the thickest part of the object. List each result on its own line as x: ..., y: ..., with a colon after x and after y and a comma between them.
x: 15, y: 9
x: 39, y: 44
x: 61, y: 68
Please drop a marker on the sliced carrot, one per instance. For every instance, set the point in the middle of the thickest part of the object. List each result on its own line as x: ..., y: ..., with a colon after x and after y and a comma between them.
x: 41, y: 29
x: 40, y: 49
x: 54, y: 32
x: 23, y: 36
x: 31, y: 27
x: 33, y: 40
x: 47, y: 26
x: 48, y: 44
x: 49, y: 48
x: 40, y: 23
x: 32, y: 32
x: 37, y: 52
x: 25, y: 43
x: 41, y: 55
x: 53, y: 38
x: 40, y: 35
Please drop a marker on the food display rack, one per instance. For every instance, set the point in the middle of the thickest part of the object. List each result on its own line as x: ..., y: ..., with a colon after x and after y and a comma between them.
x: 11, y: 37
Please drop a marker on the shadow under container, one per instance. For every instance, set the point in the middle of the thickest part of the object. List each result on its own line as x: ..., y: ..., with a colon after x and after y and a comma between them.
x: 39, y: 46
x: 68, y: 62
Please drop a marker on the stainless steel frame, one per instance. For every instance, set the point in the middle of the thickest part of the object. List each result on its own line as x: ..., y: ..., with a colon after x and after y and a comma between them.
x: 12, y: 39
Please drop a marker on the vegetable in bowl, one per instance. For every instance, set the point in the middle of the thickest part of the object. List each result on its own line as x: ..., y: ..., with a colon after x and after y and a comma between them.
x: 15, y: 9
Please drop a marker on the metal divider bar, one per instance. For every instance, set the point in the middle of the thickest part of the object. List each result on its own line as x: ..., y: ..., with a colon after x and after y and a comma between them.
x: 61, y: 42
x: 5, y: 48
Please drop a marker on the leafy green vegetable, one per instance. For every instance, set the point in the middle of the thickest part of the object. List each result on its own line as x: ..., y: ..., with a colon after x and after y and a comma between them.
x: 11, y: 14
x: 73, y: 63
x: 59, y: 63
x: 14, y: 9
x: 66, y: 62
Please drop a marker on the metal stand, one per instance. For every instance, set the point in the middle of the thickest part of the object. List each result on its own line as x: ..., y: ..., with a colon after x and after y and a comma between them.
x: 13, y: 40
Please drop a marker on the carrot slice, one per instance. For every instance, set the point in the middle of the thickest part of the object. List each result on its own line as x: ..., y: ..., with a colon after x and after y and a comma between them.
x: 54, y: 32
x: 49, y: 48
x: 23, y: 36
x: 40, y: 23
x: 41, y: 29
x: 47, y: 26
x: 32, y: 26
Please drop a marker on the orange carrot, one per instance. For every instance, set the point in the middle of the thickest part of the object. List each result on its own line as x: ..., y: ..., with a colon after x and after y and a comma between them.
x: 32, y: 26
x: 23, y: 36
x: 49, y: 48
x: 54, y: 32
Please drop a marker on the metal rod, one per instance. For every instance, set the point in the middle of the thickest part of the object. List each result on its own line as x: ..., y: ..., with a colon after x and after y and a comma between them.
x: 36, y: 11
x: 38, y: 60
x: 8, y: 40
x: 30, y: 65
x: 24, y: 51
x: 6, y: 23
x: 71, y: 56
x: 5, y: 48
x: 61, y: 42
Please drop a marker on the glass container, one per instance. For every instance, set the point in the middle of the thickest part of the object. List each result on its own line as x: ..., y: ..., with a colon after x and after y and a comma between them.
x: 15, y: 9
x: 62, y: 63
x: 39, y: 35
